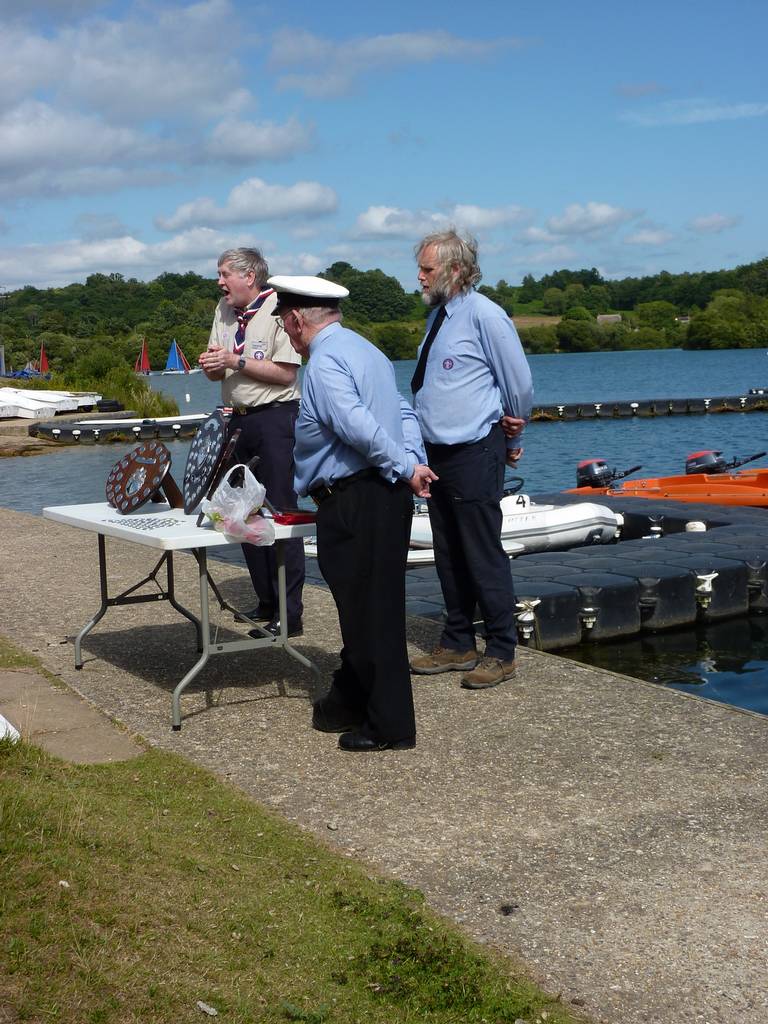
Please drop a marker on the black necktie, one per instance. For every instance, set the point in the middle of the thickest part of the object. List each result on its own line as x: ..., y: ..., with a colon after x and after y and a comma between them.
x: 418, y: 378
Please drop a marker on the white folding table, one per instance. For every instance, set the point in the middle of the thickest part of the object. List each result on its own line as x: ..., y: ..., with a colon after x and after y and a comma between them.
x: 169, y: 529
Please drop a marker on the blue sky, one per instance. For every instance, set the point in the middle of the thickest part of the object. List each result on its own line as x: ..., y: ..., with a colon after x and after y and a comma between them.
x: 141, y: 138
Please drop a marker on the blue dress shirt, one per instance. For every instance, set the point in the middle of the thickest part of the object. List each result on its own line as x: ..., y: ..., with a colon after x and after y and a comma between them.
x: 352, y: 416
x: 476, y: 373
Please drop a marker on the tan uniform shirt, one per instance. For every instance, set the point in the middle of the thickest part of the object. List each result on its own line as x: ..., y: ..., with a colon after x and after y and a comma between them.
x: 264, y: 339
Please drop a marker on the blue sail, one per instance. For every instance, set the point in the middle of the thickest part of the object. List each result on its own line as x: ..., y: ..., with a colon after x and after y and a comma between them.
x: 177, y: 361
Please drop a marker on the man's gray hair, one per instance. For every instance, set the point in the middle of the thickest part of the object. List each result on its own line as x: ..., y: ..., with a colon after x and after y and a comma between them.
x: 454, y: 253
x: 319, y: 315
x: 247, y: 261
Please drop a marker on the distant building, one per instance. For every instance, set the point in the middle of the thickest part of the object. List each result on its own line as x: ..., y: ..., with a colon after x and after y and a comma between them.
x: 609, y: 318
x: 683, y: 319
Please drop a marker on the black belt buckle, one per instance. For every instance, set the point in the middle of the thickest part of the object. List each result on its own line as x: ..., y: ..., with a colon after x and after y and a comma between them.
x: 320, y: 494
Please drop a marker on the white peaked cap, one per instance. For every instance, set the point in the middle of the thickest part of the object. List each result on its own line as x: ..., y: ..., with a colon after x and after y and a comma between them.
x: 308, y: 291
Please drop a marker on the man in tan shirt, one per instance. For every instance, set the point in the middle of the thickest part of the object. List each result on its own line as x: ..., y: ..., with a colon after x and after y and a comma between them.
x: 252, y: 357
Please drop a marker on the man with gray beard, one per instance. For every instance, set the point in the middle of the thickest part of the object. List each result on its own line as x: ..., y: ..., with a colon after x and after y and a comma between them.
x: 472, y: 392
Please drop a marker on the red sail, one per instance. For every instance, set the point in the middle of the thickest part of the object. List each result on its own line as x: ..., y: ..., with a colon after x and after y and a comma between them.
x: 142, y: 360
x: 43, y: 360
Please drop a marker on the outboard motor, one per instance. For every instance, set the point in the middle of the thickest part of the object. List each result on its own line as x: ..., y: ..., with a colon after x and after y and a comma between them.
x: 712, y: 462
x: 705, y: 462
x: 595, y: 473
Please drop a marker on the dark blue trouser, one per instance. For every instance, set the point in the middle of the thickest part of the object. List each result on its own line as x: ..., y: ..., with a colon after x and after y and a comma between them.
x: 269, y: 433
x: 362, y: 546
x: 466, y: 520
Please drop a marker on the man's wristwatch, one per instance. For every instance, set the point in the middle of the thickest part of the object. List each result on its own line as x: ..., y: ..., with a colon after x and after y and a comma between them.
x: 241, y: 363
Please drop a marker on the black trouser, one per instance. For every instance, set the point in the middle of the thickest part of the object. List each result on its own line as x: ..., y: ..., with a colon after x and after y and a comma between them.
x: 466, y: 521
x: 363, y: 532
x: 269, y: 433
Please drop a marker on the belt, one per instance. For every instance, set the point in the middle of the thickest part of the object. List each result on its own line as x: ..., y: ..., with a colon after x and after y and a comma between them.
x: 325, y: 491
x: 246, y: 410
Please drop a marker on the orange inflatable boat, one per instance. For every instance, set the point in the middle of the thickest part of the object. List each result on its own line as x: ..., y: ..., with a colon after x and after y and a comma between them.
x: 708, y: 478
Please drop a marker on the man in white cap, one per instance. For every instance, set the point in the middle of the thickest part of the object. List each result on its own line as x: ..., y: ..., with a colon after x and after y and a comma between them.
x: 258, y: 369
x: 359, y: 455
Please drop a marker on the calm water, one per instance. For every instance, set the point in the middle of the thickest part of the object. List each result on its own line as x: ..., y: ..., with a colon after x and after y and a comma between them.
x: 710, y: 662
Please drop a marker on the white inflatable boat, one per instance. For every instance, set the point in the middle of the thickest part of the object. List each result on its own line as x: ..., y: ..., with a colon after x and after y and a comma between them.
x: 526, y: 528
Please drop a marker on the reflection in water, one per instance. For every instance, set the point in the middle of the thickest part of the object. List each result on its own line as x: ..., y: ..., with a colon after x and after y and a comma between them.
x: 726, y: 661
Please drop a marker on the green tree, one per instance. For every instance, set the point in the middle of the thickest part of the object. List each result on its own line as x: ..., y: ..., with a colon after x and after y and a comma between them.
x: 578, y: 336
x: 660, y: 315
x: 733, y: 319
x: 373, y: 295
x: 553, y: 301
x: 539, y: 339
x: 578, y: 313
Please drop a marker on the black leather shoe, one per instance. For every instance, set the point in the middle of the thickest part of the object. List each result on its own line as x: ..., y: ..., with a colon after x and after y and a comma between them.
x: 329, y: 715
x: 262, y: 613
x: 359, y: 742
x: 273, y: 627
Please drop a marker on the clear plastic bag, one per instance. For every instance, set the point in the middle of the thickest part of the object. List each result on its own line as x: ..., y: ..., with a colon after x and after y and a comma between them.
x: 234, y: 511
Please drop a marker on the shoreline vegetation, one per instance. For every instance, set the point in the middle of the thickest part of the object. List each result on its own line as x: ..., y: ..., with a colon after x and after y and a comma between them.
x: 151, y: 890
x: 90, y: 329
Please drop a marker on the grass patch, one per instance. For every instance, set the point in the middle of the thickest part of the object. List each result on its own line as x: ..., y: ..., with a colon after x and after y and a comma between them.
x: 134, y: 892
x: 11, y: 657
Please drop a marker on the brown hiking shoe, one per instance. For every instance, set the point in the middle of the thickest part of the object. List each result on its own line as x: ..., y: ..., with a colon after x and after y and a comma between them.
x: 442, y: 659
x: 489, y: 672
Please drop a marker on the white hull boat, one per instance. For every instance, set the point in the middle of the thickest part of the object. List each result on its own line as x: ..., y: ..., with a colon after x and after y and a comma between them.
x: 526, y: 528
x: 31, y: 404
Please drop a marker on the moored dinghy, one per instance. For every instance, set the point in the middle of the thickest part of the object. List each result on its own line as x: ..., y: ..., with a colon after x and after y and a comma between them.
x: 526, y: 527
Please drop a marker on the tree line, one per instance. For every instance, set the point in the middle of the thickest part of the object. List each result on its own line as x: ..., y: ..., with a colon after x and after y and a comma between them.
x: 99, y: 324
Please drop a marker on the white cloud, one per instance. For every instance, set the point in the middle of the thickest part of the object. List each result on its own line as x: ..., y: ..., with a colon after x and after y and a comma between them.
x: 649, y: 236
x: 485, y: 218
x: 590, y: 219
x: 61, y: 263
x: 553, y: 255
x: 154, y: 63
x: 239, y: 142
x: 27, y: 62
x: 31, y: 9
x: 694, y: 111
x: 163, y: 61
x: 34, y: 134
x: 157, y: 86
x: 95, y: 226
x: 254, y: 200
x: 329, y: 68
x: 713, y: 223
x: 50, y: 183
x: 537, y: 236
x: 395, y: 222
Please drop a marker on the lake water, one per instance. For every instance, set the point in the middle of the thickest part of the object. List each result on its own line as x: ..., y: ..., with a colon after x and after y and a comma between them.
x: 700, y: 660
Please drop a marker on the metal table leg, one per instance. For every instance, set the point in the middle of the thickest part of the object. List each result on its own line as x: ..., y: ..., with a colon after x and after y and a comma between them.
x: 130, y: 597
x: 232, y: 646
x: 205, y: 626
x: 104, y: 603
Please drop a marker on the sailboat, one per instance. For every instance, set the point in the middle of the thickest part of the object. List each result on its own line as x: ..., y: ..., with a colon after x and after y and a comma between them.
x: 177, y: 361
x: 142, y: 360
x: 43, y: 367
